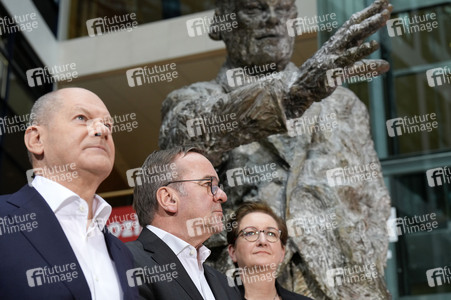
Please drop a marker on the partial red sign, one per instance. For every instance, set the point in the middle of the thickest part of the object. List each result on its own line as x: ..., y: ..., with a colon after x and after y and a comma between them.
x: 123, y: 223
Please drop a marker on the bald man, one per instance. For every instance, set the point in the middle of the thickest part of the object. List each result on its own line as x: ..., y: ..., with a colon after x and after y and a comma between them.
x: 53, y: 242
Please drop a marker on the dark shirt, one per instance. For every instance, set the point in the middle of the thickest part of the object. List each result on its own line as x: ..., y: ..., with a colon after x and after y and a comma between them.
x: 283, y: 293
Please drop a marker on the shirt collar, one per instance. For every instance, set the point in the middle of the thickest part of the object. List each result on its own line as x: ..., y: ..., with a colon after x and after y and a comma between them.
x: 102, y: 211
x: 58, y: 196
x: 204, y: 253
x: 177, y: 245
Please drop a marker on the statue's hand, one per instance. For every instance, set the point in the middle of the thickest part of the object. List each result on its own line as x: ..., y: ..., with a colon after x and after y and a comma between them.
x: 344, y: 49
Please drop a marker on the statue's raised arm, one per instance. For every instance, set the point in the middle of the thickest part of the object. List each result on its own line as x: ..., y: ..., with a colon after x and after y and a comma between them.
x: 269, y: 89
x: 345, y: 49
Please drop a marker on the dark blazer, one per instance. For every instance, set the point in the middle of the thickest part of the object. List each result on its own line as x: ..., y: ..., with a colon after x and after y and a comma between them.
x: 284, y: 293
x: 43, y: 246
x: 151, y: 252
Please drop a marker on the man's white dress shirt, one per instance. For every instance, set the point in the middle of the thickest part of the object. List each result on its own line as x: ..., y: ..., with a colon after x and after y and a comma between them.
x: 89, y: 243
x: 191, y: 259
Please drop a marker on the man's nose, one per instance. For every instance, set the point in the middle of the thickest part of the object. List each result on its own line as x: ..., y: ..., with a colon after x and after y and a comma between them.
x: 220, y: 196
x: 97, y: 127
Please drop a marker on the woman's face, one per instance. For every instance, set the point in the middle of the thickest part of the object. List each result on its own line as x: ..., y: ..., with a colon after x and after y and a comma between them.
x: 261, y: 252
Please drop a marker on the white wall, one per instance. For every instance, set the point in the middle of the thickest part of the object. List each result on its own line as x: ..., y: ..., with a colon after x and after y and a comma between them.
x: 156, y: 41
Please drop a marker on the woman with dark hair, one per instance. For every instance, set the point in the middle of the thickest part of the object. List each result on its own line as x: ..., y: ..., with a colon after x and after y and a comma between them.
x: 257, y: 245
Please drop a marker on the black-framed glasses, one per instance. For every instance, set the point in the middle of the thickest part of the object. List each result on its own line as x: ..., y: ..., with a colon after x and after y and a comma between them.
x: 214, y: 187
x: 252, y: 234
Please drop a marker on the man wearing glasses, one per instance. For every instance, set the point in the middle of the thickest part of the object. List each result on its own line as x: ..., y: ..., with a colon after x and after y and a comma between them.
x: 178, y: 215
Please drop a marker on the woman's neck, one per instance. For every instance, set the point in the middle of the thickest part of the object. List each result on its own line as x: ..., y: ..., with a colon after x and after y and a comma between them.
x: 259, y: 286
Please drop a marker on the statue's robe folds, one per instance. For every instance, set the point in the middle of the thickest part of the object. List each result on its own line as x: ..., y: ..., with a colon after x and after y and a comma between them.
x: 336, y: 219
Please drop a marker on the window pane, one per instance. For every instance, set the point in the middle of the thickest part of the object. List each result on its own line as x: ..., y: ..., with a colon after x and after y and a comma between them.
x: 416, y: 100
x: 146, y: 11
x: 423, y: 244
x: 427, y: 45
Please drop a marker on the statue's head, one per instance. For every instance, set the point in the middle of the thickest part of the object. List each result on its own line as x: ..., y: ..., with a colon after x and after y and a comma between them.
x: 261, y: 36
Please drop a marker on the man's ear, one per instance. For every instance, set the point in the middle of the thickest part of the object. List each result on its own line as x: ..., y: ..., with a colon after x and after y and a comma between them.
x: 215, y: 34
x: 231, y: 250
x: 33, y: 141
x: 168, y: 199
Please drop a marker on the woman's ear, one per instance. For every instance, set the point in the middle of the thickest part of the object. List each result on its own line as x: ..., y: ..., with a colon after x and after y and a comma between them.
x: 231, y: 250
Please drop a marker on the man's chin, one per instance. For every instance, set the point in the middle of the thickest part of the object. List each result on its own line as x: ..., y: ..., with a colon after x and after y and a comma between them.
x: 101, y: 167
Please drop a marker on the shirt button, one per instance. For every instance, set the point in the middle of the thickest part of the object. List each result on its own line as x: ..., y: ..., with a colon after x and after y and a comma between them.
x: 192, y: 252
x: 82, y: 208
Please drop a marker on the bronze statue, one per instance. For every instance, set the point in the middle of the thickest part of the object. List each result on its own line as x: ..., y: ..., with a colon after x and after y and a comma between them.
x: 292, y: 137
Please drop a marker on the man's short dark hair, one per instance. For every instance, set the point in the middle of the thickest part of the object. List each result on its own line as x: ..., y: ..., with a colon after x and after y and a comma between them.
x: 145, y: 195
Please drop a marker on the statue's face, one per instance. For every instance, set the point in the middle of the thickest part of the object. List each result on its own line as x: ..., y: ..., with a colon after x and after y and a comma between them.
x: 262, y: 35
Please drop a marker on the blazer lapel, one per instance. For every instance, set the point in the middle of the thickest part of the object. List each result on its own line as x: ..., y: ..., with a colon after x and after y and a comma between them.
x: 117, y: 255
x: 48, y: 238
x: 214, y: 283
x: 163, y: 255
